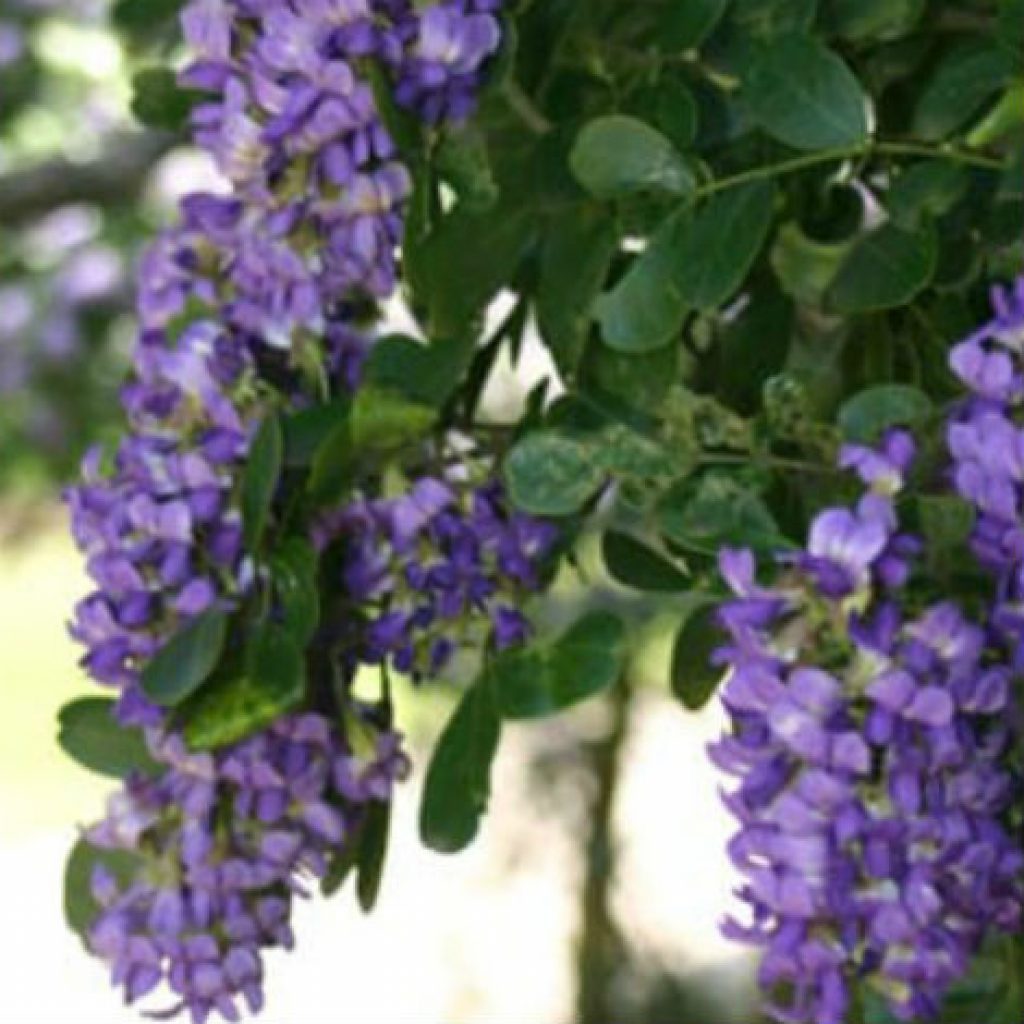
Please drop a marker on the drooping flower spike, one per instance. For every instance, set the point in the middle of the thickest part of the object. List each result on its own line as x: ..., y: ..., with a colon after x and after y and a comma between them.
x: 867, y: 744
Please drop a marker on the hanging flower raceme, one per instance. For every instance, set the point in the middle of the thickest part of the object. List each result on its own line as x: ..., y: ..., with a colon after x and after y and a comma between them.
x: 251, y: 304
x: 441, y: 567
x: 986, y: 441
x: 223, y: 842
x: 867, y: 744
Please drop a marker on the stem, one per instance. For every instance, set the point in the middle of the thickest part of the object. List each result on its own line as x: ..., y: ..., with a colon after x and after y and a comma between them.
x: 960, y: 156
x: 524, y: 107
x: 600, y: 945
x: 775, y: 461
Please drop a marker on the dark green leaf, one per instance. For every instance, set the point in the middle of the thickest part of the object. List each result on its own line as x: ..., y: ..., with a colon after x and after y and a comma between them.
x: 239, y: 703
x: 80, y: 909
x: 872, y: 19
x: 645, y: 310
x: 770, y: 18
x: 89, y: 734
x: 458, y: 783
x: 293, y: 567
x: 926, y: 189
x: 636, y: 565
x: 158, y: 101
x: 803, y: 94
x: 373, y: 850
x: 869, y: 414
x: 333, y: 467
x: 464, y: 163
x: 424, y: 373
x: 616, y: 156
x: 694, y: 677
x: 575, y: 260
x: 966, y: 77
x: 686, y: 25
x: 705, y: 513
x: 543, y: 680
x: 716, y: 250
x: 306, y: 431
x: 551, y: 475
x: 139, y: 16
x: 260, y: 479
x: 187, y: 660
x: 885, y: 268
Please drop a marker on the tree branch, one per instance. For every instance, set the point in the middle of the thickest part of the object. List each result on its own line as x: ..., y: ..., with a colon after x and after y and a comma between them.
x: 113, y: 179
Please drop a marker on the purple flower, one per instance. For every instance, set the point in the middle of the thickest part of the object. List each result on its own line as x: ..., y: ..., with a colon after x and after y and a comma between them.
x: 868, y: 751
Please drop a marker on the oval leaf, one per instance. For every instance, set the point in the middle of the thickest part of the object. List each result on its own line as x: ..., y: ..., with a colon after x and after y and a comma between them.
x: 186, y: 661
x: 886, y: 268
x: 618, y: 156
x: 636, y: 565
x: 458, y: 783
x: 90, y: 735
x: 717, y: 248
x: 80, y: 908
x: 260, y: 480
x: 867, y: 415
x: 694, y: 677
x: 237, y: 704
x: 551, y: 475
x: 803, y: 94
x: 545, y: 679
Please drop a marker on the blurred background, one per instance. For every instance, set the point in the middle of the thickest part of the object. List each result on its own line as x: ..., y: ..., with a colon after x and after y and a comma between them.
x: 595, y: 893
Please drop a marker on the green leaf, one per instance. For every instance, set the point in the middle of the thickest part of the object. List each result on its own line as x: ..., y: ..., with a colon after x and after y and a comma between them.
x: 333, y: 467
x: 187, y: 660
x: 424, y: 373
x: 373, y: 850
x: 802, y: 93
x: 717, y: 249
x: 694, y: 677
x: 805, y: 268
x: 872, y: 19
x: 90, y: 735
x: 384, y: 421
x: 715, y: 509
x: 80, y: 909
x: 293, y: 568
x: 458, y: 782
x: 925, y: 190
x: 946, y: 524
x: 550, y: 474
x: 141, y: 16
x: 542, y: 680
x: 866, y: 416
x: 260, y: 479
x: 965, y: 78
x: 645, y: 310
x: 767, y: 19
x: 465, y: 260
x: 686, y: 25
x: 305, y: 431
x: 158, y: 101
x: 634, y: 564
x: 237, y: 704
x: 464, y: 163
x: 574, y: 265
x: 884, y: 269
x: 617, y: 156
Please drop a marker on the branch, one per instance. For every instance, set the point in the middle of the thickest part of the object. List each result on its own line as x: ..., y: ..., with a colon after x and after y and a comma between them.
x: 113, y: 179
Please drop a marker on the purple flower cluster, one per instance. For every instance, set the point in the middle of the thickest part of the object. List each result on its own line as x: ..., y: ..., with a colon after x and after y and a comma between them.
x: 252, y: 302
x: 294, y: 124
x: 986, y: 442
x: 867, y: 742
x: 224, y: 842
x: 438, y: 568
